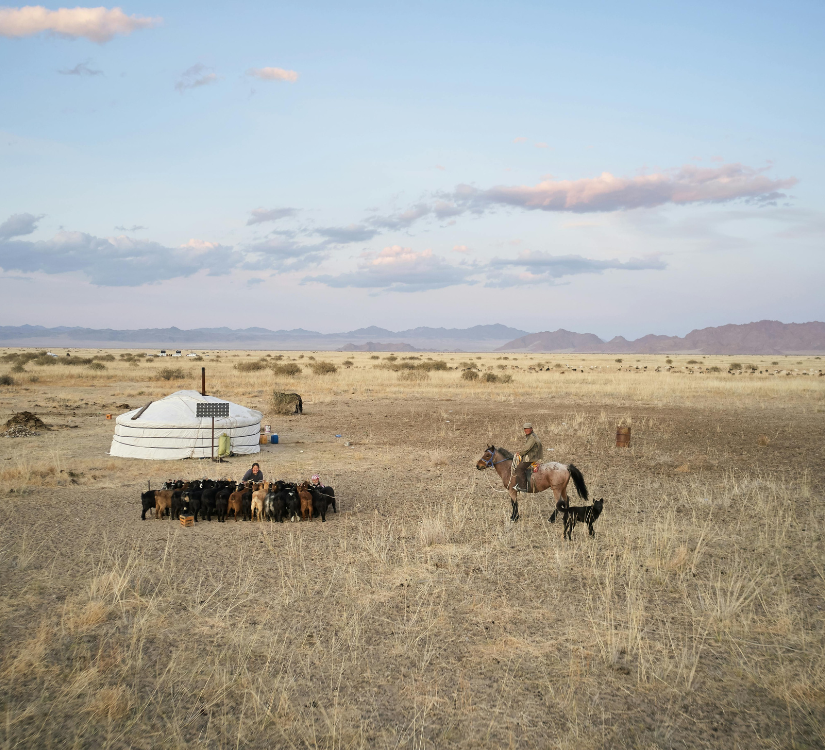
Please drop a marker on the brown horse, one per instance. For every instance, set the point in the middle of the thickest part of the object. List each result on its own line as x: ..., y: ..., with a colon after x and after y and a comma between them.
x: 550, y: 475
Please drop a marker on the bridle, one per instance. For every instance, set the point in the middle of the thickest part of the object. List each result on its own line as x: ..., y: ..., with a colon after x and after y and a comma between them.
x: 488, y: 462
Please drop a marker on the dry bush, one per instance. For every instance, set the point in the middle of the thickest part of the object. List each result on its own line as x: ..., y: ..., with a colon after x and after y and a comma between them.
x: 290, y: 369
x: 413, y: 376
x: 735, y: 366
x: 323, y: 368
x: 97, y: 366
x: 469, y: 375
x: 171, y: 373
x: 250, y: 366
x: 6, y: 380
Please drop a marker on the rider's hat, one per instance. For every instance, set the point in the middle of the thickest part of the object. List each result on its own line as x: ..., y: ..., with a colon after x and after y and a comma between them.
x: 527, y: 426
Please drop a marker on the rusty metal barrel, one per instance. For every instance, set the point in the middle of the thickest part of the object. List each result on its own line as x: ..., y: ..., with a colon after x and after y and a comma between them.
x: 622, y: 437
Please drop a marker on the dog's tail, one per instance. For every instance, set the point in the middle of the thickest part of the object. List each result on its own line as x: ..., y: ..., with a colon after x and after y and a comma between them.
x: 578, y: 481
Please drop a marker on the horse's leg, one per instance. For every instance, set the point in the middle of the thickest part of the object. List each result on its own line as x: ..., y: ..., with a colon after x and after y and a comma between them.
x: 514, y: 516
x: 556, y: 495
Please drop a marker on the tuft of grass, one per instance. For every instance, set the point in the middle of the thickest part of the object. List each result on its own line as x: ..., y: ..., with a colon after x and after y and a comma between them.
x: 97, y: 366
x: 6, y: 380
x: 413, y: 376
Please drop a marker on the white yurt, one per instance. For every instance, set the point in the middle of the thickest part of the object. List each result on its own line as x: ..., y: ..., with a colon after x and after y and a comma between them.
x: 169, y: 429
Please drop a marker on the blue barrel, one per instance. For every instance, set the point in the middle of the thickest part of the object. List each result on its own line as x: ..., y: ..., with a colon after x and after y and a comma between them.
x: 274, y: 440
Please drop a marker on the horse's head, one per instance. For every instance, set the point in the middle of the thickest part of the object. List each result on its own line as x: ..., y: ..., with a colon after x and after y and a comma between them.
x: 486, y: 461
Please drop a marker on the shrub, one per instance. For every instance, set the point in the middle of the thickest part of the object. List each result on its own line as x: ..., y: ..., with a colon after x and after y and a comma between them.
x: 693, y: 361
x: 18, y: 368
x: 290, y: 369
x: 489, y: 377
x: 105, y: 357
x: 414, y: 376
x: 323, y: 368
x: 434, y: 364
x: 284, y: 403
x: 619, y: 361
x: 507, y: 378
x: 6, y: 380
x: 250, y: 366
x: 171, y: 373
x: 45, y: 360
x: 197, y: 359
x: 469, y: 375
x: 735, y: 366
x: 97, y: 366
x: 776, y: 363
x: 348, y: 363
x: 311, y: 358
x: 34, y: 379
x: 668, y: 361
x: 375, y: 356
x: 391, y: 358
x: 714, y: 369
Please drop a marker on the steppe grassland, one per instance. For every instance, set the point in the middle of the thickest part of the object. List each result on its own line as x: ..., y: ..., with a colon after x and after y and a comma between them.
x: 419, y: 616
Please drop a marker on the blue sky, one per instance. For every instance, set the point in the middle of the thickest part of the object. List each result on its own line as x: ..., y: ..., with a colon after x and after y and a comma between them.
x: 619, y: 168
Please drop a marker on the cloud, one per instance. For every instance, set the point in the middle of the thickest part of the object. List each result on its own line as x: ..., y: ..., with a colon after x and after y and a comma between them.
x: 282, y: 254
x: 81, y: 69
x: 399, y: 269
x: 542, y: 268
x: 19, y: 224
x: 540, y: 144
x: 520, y: 139
x: 254, y: 282
x: 95, y: 24
x: 133, y: 228
x: 273, y: 74
x: 194, y: 77
x: 461, y: 249
x: 403, y: 219
x: 112, y: 261
x: 260, y: 215
x: 438, y: 166
x: 126, y: 261
x: 684, y: 186
x: 344, y: 235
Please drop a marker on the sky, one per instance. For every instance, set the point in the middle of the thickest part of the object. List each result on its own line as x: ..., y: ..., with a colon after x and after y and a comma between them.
x: 614, y: 168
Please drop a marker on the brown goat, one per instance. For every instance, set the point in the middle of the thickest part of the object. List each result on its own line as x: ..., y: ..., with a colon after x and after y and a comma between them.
x: 163, y: 502
x: 306, y: 500
x: 235, y: 503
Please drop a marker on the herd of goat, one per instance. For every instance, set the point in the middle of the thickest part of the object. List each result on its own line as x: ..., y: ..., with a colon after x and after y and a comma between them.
x: 271, y: 501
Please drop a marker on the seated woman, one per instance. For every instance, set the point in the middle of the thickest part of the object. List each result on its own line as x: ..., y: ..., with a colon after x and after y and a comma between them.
x: 255, y: 474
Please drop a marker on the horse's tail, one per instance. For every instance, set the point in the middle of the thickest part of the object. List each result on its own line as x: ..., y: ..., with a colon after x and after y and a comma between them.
x: 578, y: 480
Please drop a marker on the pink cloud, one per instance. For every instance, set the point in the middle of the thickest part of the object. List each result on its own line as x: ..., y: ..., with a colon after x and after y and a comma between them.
x: 96, y: 24
x: 540, y: 144
x: 438, y: 166
x: 461, y: 249
x: 519, y: 140
x: 273, y: 74
x: 690, y: 184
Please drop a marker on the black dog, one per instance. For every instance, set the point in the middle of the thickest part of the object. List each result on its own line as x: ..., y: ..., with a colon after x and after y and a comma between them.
x: 584, y: 514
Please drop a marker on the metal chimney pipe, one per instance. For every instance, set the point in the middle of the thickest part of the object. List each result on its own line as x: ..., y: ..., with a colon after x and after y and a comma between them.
x: 203, y: 381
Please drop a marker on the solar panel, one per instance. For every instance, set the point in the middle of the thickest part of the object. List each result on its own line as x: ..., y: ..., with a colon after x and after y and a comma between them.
x: 212, y: 409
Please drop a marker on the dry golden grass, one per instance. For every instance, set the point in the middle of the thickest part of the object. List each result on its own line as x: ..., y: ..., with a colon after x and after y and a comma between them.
x: 418, y: 616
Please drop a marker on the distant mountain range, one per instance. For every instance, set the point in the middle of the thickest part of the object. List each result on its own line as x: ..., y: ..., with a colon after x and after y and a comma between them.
x: 764, y: 337
x: 476, y: 338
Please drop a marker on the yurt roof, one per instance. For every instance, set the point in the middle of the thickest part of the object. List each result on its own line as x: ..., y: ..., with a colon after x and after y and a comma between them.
x: 180, y: 410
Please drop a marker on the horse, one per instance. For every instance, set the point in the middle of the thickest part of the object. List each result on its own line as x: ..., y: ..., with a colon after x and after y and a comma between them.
x: 550, y: 475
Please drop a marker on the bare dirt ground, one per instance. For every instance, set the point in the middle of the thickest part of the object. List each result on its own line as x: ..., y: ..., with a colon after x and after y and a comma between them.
x: 418, y: 615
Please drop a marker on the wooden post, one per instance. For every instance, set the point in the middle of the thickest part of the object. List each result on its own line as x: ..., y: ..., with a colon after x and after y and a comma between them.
x: 203, y: 381
x: 213, y: 438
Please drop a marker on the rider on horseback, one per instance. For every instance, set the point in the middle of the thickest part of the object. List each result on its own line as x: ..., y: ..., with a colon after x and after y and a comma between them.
x: 532, y: 452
